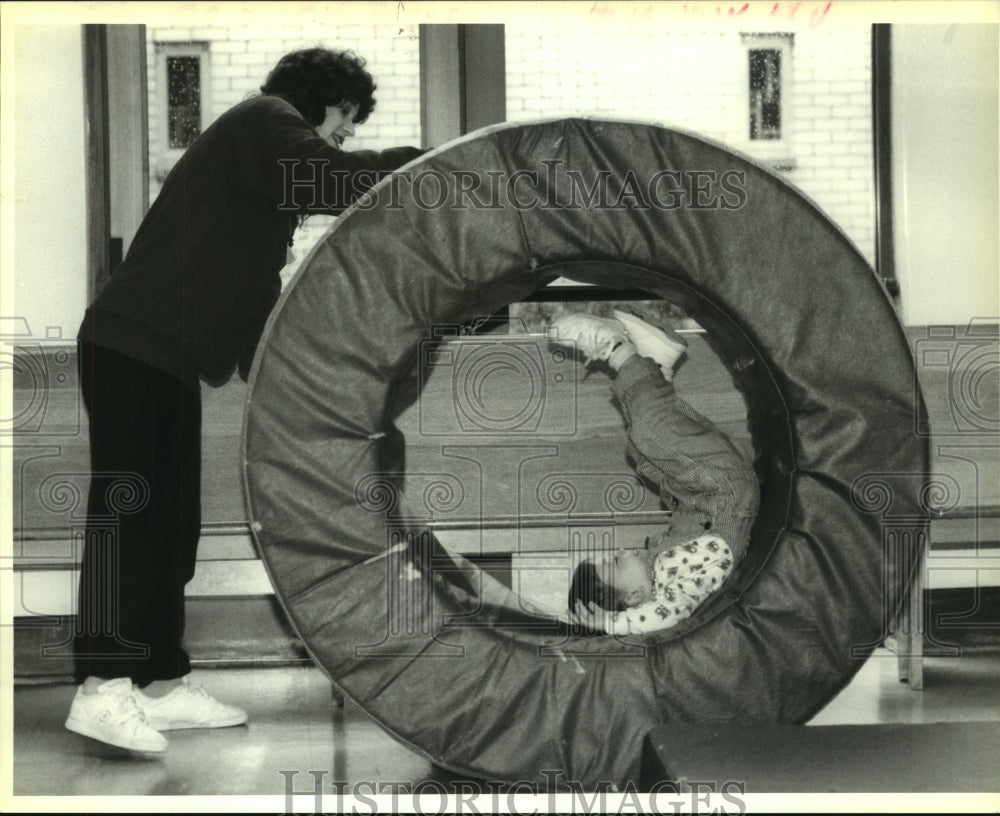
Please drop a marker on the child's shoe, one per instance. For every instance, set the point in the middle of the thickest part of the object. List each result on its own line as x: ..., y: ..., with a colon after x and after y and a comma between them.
x: 188, y: 706
x: 113, y: 715
x: 595, y: 337
x: 664, y: 347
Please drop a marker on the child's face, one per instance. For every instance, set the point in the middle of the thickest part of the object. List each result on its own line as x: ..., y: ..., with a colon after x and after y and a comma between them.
x: 631, y: 578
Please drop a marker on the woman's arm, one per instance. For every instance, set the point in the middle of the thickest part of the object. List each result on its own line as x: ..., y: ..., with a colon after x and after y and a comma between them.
x: 309, y: 175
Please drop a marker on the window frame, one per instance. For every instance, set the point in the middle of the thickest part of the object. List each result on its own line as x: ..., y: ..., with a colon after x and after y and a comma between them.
x: 778, y: 153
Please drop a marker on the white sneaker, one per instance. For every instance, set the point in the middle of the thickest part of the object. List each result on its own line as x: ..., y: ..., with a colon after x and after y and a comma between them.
x: 188, y: 706
x: 113, y: 715
x: 662, y: 347
x: 595, y: 337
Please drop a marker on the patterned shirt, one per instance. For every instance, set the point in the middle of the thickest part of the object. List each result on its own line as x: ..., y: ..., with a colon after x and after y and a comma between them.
x: 683, y: 577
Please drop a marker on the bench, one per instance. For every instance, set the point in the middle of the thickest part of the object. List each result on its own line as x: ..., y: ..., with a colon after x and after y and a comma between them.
x: 526, y: 502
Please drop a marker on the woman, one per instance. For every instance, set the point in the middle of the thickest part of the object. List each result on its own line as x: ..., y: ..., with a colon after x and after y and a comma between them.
x: 189, y: 303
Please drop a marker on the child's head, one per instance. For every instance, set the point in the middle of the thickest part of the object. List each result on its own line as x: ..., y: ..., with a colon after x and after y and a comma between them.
x: 631, y: 578
x: 614, y: 584
x: 315, y: 78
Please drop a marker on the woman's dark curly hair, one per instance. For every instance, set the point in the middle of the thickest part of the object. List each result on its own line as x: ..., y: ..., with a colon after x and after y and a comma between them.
x: 314, y: 78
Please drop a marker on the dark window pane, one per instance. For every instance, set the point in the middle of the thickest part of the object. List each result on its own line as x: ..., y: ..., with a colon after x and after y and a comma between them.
x: 183, y: 100
x: 765, y: 93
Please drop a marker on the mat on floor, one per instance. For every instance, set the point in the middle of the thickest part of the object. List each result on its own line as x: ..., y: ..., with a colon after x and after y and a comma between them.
x: 885, y: 758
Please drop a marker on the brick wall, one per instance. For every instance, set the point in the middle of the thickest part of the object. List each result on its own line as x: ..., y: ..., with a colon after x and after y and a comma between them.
x: 690, y: 79
x: 697, y: 80
x: 239, y: 59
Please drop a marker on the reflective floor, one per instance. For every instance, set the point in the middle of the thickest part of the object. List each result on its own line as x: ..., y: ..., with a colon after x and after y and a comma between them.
x: 296, y: 728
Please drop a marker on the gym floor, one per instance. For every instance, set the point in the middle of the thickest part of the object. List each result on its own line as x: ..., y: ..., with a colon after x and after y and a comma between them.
x: 295, y: 728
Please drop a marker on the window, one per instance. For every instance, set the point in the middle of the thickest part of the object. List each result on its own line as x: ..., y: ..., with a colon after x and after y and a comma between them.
x: 183, y: 76
x: 179, y: 104
x: 765, y: 93
x: 767, y: 82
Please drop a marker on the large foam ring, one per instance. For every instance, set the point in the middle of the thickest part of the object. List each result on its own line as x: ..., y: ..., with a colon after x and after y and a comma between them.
x: 444, y: 659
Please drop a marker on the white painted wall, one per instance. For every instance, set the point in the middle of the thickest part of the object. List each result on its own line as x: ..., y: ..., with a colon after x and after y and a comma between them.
x: 945, y: 155
x: 49, y: 156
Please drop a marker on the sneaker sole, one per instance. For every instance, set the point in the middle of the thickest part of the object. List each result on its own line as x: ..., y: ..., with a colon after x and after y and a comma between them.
x: 178, y: 725
x: 571, y: 339
x: 80, y: 727
x: 644, y: 334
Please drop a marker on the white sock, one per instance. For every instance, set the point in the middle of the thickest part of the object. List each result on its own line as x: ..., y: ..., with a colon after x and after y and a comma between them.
x: 91, y: 684
x: 621, y: 354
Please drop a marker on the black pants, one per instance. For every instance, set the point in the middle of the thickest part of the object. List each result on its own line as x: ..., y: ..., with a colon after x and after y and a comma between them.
x: 143, y: 522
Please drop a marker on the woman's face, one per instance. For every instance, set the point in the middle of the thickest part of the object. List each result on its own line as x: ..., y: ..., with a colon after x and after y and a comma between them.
x: 339, y: 123
x: 631, y: 578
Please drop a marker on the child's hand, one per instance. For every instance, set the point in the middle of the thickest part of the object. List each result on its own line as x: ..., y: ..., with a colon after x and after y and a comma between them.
x: 595, y: 618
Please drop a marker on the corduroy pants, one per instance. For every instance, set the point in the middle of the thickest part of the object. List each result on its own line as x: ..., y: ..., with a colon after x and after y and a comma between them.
x: 685, y: 455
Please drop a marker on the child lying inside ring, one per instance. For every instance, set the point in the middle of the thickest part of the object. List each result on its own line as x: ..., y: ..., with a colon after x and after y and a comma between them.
x: 694, y: 466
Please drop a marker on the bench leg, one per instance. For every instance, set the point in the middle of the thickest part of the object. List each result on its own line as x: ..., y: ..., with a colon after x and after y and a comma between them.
x: 909, y: 636
x: 915, y: 652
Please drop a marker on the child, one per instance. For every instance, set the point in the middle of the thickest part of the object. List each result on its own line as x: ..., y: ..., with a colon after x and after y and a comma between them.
x: 691, y: 463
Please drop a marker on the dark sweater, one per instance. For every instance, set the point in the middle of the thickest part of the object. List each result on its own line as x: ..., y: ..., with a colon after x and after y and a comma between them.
x: 202, y: 273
